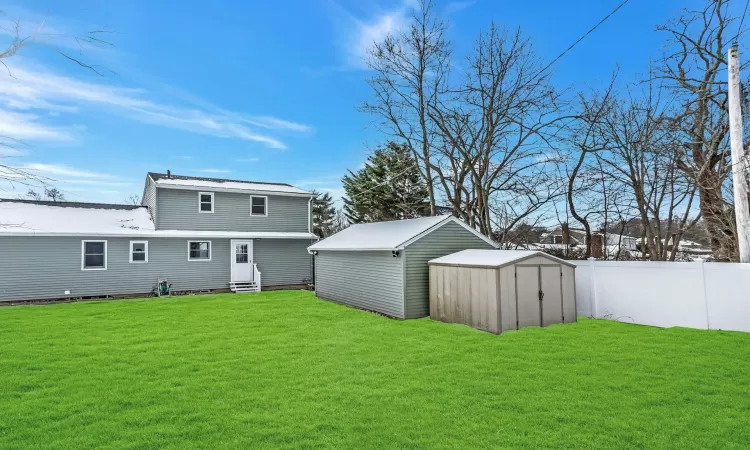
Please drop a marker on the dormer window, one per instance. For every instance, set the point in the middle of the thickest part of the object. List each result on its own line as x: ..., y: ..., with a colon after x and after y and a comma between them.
x: 258, y: 205
x: 206, y: 202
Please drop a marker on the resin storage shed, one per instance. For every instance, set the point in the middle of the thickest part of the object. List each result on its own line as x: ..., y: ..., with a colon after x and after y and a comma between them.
x: 499, y: 290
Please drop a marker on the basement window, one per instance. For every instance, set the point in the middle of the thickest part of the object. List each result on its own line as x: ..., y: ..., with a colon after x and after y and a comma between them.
x: 199, y: 250
x: 93, y: 255
x: 206, y: 202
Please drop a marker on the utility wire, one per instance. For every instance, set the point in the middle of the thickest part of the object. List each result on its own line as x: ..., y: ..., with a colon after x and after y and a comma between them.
x: 583, y: 37
x: 742, y: 20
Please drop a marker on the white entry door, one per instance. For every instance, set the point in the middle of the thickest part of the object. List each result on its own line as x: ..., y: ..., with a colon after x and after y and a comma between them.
x: 242, y: 260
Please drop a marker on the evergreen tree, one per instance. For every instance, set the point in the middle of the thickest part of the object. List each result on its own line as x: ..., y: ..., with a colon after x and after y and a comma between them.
x: 389, y: 187
x: 323, y: 214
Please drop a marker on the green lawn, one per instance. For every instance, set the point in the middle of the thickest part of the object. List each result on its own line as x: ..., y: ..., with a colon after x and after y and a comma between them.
x: 284, y: 370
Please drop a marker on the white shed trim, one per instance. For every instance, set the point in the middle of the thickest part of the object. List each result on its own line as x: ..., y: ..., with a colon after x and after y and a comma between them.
x: 380, y: 235
x: 440, y: 224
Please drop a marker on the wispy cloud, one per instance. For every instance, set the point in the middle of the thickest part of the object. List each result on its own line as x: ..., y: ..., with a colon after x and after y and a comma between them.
x: 330, y: 183
x: 29, y: 127
x: 362, y: 33
x: 59, y: 169
x: 247, y: 159
x: 215, y: 171
x: 41, y: 90
x: 272, y: 123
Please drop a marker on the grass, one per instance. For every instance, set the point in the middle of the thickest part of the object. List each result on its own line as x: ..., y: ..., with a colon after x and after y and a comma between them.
x: 285, y: 370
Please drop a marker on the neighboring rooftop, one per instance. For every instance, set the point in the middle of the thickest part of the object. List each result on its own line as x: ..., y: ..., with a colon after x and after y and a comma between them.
x: 172, y: 180
x: 24, y: 216
x: 391, y: 235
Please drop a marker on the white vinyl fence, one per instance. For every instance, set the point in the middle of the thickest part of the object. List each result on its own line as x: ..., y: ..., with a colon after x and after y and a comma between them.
x: 714, y: 296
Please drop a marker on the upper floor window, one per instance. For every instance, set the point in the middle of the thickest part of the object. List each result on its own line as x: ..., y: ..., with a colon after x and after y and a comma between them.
x: 93, y: 255
x: 138, y: 251
x: 206, y: 202
x: 258, y: 205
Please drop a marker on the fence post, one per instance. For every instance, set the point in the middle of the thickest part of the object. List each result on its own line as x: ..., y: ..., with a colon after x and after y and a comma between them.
x: 592, y: 288
x: 705, y: 293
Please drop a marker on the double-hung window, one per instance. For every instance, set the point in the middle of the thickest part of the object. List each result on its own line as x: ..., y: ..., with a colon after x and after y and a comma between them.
x: 138, y: 251
x: 93, y: 255
x: 199, y: 250
x: 258, y: 205
x: 206, y: 202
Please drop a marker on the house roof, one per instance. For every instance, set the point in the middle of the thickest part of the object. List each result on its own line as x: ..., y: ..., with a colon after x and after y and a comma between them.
x: 492, y: 258
x: 42, y: 218
x: 393, y: 235
x: 221, y: 184
x: 31, y: 216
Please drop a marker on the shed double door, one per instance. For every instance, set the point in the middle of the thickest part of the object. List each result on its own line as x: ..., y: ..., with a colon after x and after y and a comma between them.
x: 539, y: 299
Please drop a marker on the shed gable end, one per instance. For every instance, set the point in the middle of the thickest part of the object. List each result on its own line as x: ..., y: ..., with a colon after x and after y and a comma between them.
x: 448, y: 238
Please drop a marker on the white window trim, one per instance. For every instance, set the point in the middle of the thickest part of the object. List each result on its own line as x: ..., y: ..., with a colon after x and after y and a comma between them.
x: 265, y: 203
x: 145, y: 244
x: 83, y: 254
x: 210, y: 251
x: 201, y: 194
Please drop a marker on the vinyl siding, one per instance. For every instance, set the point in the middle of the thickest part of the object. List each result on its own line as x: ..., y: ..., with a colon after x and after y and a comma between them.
x: 450, y: 238
x: 367, y: 280
x: 36, y: 268
x: 178, y: 210
x: 149, y: 198
x: 283, y: 261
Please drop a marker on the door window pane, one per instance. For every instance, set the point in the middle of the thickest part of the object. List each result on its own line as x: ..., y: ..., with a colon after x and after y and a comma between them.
x: 241, y: 254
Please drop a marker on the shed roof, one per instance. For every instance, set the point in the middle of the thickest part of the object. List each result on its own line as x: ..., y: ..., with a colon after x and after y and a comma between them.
x: 392, y: 235
x: 183, y: 182
x: 492, y: 258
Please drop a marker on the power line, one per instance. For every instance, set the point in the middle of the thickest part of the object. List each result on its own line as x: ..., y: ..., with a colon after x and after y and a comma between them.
x: 583, y: 37
x: 742, y: 20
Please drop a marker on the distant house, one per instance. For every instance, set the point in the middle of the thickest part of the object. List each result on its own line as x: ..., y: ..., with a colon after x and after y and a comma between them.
x: 197, y: 233
x: 609, y: 245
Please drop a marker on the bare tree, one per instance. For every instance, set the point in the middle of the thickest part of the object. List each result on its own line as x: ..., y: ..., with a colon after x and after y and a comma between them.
x: 133, y: 200
x: 496, y: 131
x: 642, y: 156
x: 585, y: 200
x: 410, y: 69
x: 694, y: 68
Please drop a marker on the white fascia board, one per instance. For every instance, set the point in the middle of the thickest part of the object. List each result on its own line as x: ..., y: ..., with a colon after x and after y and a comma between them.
x: 231, y: 190
x: 169, y: 234
x: 340, y: 249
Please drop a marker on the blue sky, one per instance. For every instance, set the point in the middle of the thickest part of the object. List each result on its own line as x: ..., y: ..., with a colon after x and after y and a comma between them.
x: 260, y: 90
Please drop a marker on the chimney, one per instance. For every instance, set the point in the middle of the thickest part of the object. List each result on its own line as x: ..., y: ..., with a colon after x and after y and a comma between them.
x: 169, y: 174
x: 565, y: 234
x: 597, y: 245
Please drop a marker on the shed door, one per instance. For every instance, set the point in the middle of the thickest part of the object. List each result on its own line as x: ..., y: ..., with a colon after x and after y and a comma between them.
x: 551, y: 279
x: 527, y: 296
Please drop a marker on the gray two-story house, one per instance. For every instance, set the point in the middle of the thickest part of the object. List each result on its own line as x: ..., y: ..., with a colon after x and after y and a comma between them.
x: 198, y: 234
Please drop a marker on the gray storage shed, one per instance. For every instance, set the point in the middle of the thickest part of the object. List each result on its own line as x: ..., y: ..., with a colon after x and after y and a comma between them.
x: 382, y: 266
x: 499, y: 290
